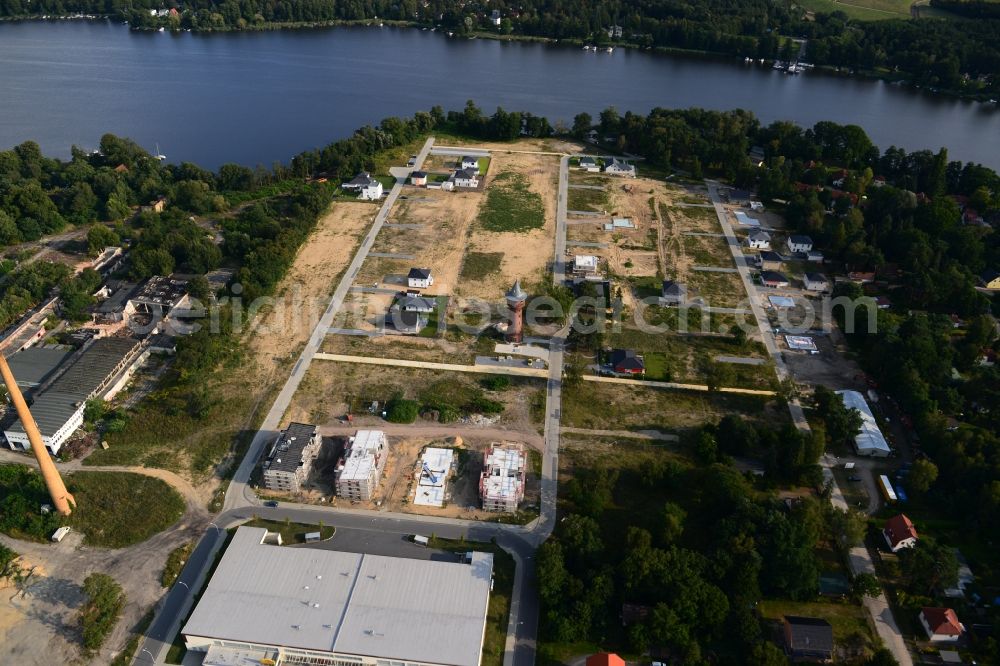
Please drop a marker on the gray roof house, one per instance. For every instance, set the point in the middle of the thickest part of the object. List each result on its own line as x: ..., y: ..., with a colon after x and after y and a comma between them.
x: 816, y: 282
x: 673, y: 293
x: 363, y: 179
x: 808, y: 637
x: 413, y: 303
x: 619, y: 167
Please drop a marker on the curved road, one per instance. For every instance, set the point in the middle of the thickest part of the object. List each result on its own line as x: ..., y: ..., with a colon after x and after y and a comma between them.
x: 241, y: 502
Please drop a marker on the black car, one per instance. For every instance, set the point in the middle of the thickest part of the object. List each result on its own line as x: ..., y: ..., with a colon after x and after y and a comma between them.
x: 271, y: 503
x: 854, y: 479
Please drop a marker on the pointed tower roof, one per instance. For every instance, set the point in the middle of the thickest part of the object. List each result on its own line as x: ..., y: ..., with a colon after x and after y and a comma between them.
x: 516, y: 293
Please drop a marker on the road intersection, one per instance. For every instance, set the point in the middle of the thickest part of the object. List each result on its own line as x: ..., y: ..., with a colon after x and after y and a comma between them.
x: 241, y: 502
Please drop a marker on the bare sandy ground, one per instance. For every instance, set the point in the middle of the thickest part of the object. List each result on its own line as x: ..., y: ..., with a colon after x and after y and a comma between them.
x: 527, y: 255
x: 306, y: 288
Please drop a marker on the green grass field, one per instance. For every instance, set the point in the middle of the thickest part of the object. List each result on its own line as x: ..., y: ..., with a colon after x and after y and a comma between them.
x: 580, y: 199
x: 118, y: 509
x: 114, y: 509
x: 862, y: 10
x: 849, y: 622
x: 478, y: 265
x: 511, y: 206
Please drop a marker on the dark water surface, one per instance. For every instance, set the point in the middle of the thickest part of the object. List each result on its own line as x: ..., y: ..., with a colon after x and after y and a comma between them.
x: 260, y: 97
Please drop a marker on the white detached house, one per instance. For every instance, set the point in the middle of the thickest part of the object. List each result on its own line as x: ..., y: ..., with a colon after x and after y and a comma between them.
x: 470, y: 163
x: 798, y: 244
x: 368, y: 188
x: 465, y: 178
x: 759, y: 240
x: 419, y: 278
x: 617, y: 167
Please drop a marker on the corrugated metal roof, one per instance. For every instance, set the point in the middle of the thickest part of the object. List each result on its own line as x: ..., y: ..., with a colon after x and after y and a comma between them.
x: 870, y: 438
x: 331, y: 601
x: 95, y: 365
x: 34, y: 365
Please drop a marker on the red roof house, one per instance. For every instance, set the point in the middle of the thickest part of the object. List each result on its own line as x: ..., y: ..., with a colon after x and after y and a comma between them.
x: 899, y: 533
x: 941, y: 624
x: 605, y: 659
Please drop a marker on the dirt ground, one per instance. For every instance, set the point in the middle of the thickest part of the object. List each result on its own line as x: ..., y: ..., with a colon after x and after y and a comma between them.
x: 440, y: 244
x: 329, y: 387
x: 527, y: 255
x: 449, y: 349
x: 402, y: 469
x: 303, y: 297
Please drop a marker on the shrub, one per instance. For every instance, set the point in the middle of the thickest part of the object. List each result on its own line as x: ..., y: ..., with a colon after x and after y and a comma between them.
x: 98, y: 616
x: 400, y: 410
x: 495, y: 382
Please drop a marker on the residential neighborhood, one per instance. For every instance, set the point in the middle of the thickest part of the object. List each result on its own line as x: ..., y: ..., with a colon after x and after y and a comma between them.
x: 509, y: 401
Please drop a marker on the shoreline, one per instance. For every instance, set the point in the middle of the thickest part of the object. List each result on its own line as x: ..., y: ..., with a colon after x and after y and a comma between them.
x: 828, y: 70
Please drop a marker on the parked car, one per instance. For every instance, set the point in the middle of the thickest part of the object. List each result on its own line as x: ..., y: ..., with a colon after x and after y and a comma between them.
x: 271, y: 503
x: 854, y: 479
x: 412, y: 160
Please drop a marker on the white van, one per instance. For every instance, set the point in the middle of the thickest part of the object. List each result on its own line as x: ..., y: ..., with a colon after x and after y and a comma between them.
x: 60, y: 533
x: 421, y: 540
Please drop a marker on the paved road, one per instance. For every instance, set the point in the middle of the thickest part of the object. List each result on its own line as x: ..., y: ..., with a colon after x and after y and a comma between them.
x: 428, y: 365
x: 519, y: 541
x: 673, y: 385
x: 179, y: 599
x: 559, y: 265
x: 860, y: 558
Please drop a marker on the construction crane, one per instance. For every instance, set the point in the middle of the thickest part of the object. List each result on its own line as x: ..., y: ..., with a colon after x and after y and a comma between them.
x: 61, y: 499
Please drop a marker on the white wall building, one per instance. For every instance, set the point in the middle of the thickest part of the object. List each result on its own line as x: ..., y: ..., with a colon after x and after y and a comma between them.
x: 465, y: 178
x: 585, y: 264
x: 501, y: 485
x: 315, y: 606
x: 291, y: 459
x: 368, y: 188
x: 617, y: 167
x: 799, y: 244
x: 420, y: 278
x: 759, y: 240
x: 58, y: 410
x: 870, y: 441
x: 361, y: 468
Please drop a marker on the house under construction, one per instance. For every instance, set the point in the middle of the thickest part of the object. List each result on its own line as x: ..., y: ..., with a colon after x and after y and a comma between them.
x: 501, y: 486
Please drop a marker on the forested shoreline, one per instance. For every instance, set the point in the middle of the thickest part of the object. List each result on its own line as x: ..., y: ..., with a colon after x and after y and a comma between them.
x: 902, y: 216
x: 957, y: 57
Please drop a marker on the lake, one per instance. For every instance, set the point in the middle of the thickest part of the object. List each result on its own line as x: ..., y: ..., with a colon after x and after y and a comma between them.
x: 256, y: 98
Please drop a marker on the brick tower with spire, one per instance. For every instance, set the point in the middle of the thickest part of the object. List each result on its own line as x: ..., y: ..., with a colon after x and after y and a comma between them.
x: 516, y: 298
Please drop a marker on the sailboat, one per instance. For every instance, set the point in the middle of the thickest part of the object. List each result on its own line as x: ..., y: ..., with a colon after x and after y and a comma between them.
x: 158, y: 155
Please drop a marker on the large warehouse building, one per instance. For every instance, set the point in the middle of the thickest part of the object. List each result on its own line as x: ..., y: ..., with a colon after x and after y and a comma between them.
x: 58, y: 410
x: 870, y: 440
x: 330, y: 608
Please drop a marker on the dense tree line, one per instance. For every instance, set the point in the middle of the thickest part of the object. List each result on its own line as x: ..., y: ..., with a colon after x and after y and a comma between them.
x: 638, y: 537
x: 957, y: 55
x: 914, y: 222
